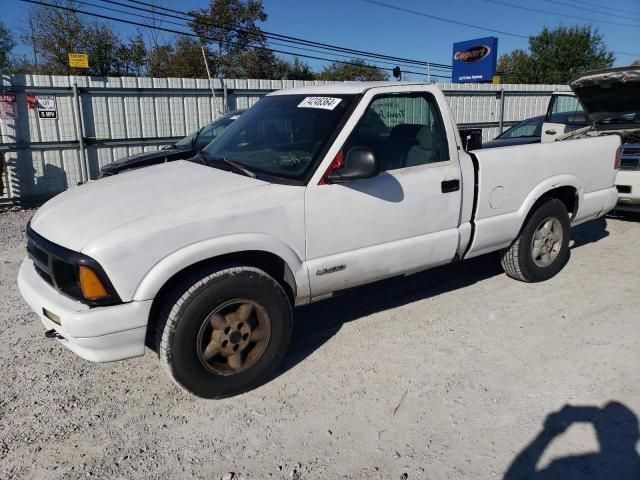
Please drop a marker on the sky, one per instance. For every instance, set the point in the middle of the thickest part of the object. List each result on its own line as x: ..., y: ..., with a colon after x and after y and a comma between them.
x: 365, y: 26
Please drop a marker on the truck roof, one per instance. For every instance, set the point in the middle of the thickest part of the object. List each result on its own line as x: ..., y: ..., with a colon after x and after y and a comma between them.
x: 340, y: 88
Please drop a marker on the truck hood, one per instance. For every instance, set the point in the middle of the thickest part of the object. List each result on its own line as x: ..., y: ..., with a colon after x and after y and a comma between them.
x: 609, y: 93
x: 181, y: 191
x: 147, y: 158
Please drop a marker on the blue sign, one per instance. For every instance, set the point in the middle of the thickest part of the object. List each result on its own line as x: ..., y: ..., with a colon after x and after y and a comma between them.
x: 475, y: 60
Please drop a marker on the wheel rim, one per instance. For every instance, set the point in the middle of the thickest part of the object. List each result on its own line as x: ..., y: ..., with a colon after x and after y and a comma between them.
x: 547, y: 242
x: 233, y: 337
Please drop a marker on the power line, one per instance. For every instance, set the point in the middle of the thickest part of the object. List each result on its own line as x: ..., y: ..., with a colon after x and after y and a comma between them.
x: 270, y: 42
x: 556, y: 14
x: 582, y: 2
x: 442, y: 19
x: 628, y: 54
x: 583, y: 8
x: 275, y: 36
x: 130, y: 22
x: 422, y: 14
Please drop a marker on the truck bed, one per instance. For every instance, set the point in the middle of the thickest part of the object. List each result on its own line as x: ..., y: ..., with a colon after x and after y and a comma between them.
x: 511, y: 179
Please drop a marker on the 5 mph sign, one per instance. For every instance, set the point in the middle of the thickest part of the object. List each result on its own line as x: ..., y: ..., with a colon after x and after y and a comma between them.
x: 46, y: 105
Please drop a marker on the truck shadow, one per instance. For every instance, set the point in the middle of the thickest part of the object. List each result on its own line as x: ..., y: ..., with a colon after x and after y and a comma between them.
x: 624, y: 215
x: 616, y: 428
x: 589, y: 232
x: 315, y: 324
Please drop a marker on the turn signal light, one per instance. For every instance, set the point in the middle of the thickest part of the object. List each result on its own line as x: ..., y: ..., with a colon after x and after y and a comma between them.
x: 92, y: 287
x: 618, y: 160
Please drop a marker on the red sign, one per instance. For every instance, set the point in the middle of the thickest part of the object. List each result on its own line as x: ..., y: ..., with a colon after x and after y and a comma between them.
x: 32, y: 101
x: 7, y: 106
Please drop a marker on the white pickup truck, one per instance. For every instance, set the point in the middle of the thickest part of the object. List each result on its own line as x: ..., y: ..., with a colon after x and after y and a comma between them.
x: 311, y: 192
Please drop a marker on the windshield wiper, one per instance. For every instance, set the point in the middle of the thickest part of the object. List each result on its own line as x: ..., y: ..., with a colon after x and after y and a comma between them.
x: 239, y: 166
x: 234, y: 164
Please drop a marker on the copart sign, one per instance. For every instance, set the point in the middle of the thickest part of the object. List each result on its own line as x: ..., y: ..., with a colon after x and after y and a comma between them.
x: 475, y: 60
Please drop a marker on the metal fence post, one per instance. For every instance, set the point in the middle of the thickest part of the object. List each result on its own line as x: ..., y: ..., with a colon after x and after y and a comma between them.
x: 77, y: 106
x: 225, y: 105
x: 501, y: 121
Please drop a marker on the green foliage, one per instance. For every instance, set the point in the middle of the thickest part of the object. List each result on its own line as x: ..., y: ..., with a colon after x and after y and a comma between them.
x: 182, y: 59
x: 230, y: 28
x: 296, y: 70
x: 132, y: 57
x: 7, y: 43
x: 54, y: 34
x: 356, y: 70
x: 102, y: 45
x: 234, y: 45
x: 557, y: 56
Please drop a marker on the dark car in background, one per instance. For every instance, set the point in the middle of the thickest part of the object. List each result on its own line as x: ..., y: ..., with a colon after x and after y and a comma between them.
x: 185, y: 148
x: 527, y: 131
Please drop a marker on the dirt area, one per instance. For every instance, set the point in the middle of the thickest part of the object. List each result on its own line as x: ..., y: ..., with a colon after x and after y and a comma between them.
x: 450, y: 374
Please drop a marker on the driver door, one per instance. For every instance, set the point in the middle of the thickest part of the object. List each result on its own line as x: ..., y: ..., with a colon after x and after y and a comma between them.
x: 565, y: 114
x: 406, y: 218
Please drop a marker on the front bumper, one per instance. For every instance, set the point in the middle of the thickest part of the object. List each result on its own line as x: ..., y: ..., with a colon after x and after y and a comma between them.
x: 628, y: 185
x: 99, y: 334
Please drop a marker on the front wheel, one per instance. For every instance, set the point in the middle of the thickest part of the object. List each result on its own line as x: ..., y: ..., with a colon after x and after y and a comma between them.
x: 224, y: 331
x: 541, y: 249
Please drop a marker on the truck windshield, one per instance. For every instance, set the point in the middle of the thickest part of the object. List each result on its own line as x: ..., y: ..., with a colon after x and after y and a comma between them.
x: 282, y: 135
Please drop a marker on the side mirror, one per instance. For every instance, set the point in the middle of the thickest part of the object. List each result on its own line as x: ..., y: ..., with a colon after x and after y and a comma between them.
x: 359, y: 164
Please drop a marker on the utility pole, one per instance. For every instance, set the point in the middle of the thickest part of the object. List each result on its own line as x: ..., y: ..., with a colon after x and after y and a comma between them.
x: 213, y: 93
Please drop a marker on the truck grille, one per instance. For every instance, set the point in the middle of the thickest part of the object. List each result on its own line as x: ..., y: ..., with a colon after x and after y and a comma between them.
x: 58, y: 272
x: 58, y: 266
x: 630, y: 157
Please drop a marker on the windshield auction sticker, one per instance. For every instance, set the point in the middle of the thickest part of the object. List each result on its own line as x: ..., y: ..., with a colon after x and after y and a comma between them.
x: 326, y: 103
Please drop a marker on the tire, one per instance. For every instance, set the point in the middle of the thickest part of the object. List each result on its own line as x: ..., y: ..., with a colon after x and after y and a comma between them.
x: 522, y: 262
x: 210, y: 307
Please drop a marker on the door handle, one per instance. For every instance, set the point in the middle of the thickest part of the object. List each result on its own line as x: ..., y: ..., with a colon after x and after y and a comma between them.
x: 550, y: 132
x: 450, y: 185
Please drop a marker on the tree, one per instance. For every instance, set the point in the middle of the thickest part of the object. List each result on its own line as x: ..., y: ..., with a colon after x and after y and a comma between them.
x: 183, y: 60
x: 356, y: 69
x: 297, y: 70
x: 132, y: 56
x: 230, y: 27
x: 7, y: 43
x: 258, y: 64
x: 55, y: 33
x: 103, y: 46
x: 557, y: 56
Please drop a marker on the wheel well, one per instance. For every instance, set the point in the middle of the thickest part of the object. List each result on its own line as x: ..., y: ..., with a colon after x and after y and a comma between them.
x: 269, y: 262
x: 567, y: 195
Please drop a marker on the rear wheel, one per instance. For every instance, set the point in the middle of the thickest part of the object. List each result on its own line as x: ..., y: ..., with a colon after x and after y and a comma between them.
x: 224, y: 331
x: 541, y: 249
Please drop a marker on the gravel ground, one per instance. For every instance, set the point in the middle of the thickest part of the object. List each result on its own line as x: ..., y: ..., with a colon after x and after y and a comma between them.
x: 447, y: 374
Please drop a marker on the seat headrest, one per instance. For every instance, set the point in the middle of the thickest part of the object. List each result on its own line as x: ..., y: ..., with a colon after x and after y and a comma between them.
x: 405, y: 131
x: 425, y: 137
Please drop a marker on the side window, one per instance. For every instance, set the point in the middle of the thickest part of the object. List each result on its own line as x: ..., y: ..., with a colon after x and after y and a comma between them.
x: 527, y: 129
x: 210, y: 132
x: 402, y: 131
x: 566, y: 109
